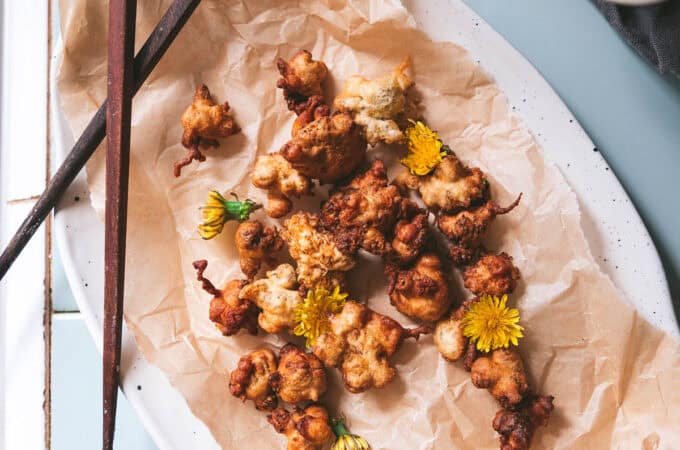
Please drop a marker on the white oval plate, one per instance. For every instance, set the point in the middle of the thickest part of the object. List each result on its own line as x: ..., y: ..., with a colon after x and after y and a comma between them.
x: 635, y: 268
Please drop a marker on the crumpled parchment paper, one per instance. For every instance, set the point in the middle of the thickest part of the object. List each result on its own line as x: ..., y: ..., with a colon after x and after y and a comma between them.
x: 615, y: 377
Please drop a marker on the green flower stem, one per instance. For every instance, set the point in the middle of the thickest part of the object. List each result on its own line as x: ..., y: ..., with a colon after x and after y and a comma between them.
x: 339, y: 427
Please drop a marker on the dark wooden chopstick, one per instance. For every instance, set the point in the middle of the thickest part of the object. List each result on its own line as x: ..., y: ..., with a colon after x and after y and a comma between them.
x: 148, y: 56
x: 121, y: 51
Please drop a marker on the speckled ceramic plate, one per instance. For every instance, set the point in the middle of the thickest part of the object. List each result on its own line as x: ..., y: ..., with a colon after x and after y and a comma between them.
x: 609, y: 217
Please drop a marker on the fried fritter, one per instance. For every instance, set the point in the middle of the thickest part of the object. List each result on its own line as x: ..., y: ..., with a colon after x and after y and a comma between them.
x: 277, y: 296
x: 517, y: 426
x: 449, y: 187
x: 467, y: 227
x: 492, y: 275
x: 326, y: 149
x: 204, y: 122
x: 362, y: 212
x: 411, y: 235
x: 320, y: 263
x: 301, y: 78
x: 256, y: 245
x: 359, y: 343
x: 250, y: 379
x: 380, y: 106
x: 314, y: 108
x: 306, y: 429
x: 229, y: 312
x: 420, y: 292
x: 300, y: 376
x: 502, y: 373
x: 281, y: 181
x: 448, y: 333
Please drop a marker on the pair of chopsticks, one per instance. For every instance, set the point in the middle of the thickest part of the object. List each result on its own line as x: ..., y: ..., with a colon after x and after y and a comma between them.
x: 125, y: 76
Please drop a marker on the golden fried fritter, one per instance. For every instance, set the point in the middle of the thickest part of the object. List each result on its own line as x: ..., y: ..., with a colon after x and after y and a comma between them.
x: 516, y: 426
x: 300, y: 376
x: 359, y: 343
x: 467, y: 228
x: 229, y: 312
x: 492, y: 275
x: 502, y: 373
x: 420, y: 292
x: 449, y: 187
x: 306, y: 429
x: 277, y: 296
x: 320, y: 263
x: 326, y: 149
x: 256, y: 244
x: 301, y: 78
x: 448, y: 333
x: 380, y: 106
x: 411, y: 235
x: 250, y: 379
x: 276, y: 175
x: 314, y: 108
x: 204, y: 122
x: 362, y: 212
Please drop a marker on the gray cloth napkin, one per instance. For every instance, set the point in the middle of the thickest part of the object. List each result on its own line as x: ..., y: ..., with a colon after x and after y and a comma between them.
x: 653, y: 30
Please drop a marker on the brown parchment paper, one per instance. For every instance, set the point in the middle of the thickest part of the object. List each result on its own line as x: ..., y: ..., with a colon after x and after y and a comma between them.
x: 615, y: 377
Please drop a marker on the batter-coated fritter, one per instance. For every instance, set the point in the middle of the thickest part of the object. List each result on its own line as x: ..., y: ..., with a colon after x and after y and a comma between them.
x: 277, y: 296
x: 361, y: 213
x: 411, y: 235
x: 380, y: 106
x: 448, y: 333
x: 256, y: 244
x: 492, y: 275
x: 466, y: 228
x: 502, y: 373
x: 359, y: 343
x: 281, y: 181
x: 306, y: 429
x: 300, y: 376
x: 326, y: 149
x: 204, y: 122
x: 517, y: 426
x: 449, y: 187
x: 314, y: 108
x: 320, y: 263
x: 420, y: 292
x: 301, y: 78
x: 229, y: 312
x: 250, y: 379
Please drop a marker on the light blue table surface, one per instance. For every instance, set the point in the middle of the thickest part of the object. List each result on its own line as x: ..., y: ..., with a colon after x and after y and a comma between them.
x: 629, y: 110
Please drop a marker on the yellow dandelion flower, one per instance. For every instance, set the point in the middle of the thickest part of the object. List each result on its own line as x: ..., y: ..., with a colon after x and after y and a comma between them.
x: 346, y: 440
x: 218, y: 210
x: 491, y: 324
x: 311, y: 316
x: 424, y: 149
